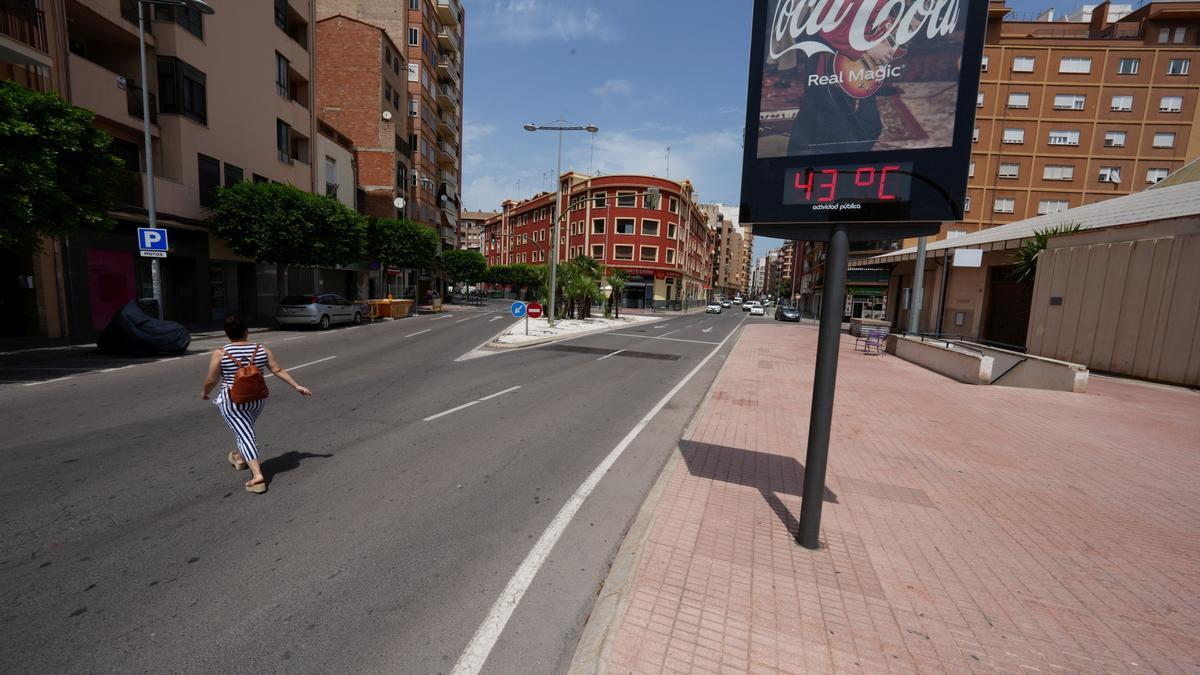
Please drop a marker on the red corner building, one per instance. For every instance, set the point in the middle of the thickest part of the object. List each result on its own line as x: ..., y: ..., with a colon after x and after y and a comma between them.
x: 663, y: 242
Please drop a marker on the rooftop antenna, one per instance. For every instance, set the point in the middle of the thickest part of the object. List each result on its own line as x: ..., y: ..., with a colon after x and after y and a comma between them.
x: 668, y: 162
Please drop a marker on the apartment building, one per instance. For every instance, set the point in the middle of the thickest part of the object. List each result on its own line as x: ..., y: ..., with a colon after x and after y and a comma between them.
x: 470, y: 229
x: 661, y: 240
x: 730, y: 252
x: 1075, y: 112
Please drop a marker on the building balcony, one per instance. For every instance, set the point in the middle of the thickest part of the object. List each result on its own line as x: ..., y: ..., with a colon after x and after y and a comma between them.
x: 109, y: 95
x: 23, y: 34
x: 447, y: 128
x: 447, y: 157
x: 448, y: 40
x: 447, y: 98
x: 448, y: 12
x: 447, y: 70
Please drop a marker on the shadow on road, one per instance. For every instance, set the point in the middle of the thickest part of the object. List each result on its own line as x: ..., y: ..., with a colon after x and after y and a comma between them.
x: 769, y: 474
x: 288, y: 461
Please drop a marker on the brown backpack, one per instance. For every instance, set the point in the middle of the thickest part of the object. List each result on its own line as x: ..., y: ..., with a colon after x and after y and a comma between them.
x: 248, y: 383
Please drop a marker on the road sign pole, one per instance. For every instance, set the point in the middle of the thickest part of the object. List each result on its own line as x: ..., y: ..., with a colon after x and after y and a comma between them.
x: 151, y: 207
x: 821, y: 415
x: 527, y: 323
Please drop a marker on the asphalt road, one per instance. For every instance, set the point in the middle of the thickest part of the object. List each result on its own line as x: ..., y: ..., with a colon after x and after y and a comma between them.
x: 395, y: 516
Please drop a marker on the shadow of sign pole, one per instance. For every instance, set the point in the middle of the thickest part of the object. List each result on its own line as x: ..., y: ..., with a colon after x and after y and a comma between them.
x: 821, y: 416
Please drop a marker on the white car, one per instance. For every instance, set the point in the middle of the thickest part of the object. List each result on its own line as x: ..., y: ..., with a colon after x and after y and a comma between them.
x: 756, y: 309
x: 713, y: 307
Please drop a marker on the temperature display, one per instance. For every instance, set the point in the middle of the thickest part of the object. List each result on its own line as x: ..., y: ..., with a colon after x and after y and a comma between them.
x: 852, y: 183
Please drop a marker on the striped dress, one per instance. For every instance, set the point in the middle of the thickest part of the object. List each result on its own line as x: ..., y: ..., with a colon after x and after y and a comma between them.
x: 240, y: 418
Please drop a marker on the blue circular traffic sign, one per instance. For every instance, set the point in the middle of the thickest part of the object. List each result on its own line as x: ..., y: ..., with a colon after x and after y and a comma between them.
x: 518, y: 309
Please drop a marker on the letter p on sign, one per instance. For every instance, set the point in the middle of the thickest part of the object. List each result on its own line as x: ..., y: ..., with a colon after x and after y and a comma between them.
x: 152, y: 238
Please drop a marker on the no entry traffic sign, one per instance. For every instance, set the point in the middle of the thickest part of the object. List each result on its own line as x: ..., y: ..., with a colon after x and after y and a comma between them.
x: 534, y: 310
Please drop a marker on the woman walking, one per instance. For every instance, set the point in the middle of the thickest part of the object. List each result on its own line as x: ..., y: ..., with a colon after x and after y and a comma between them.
x: 240, y: 417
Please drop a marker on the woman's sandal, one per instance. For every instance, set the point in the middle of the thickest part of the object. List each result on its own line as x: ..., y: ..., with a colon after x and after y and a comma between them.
x: 256, y: 488
x: 237, y: 462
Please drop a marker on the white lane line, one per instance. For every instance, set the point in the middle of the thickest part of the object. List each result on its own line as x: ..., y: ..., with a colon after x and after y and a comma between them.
x: 610, y: 355
x: 418, y: 333
x: 500, y: 393
x: 444, y: 316
x: 57, y: 379
x: 707, y: 330
x: 470, y: 403
x: 302, y: 365
x: 669, y: 333
x: 477, y: 652
x: 495, y: 318
x: 466, y: 319
x: 298, y: 337
x: 670, y: 339
x: 452, y: 410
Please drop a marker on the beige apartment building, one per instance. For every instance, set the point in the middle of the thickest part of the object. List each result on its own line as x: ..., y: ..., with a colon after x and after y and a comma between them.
x: 470, y: 229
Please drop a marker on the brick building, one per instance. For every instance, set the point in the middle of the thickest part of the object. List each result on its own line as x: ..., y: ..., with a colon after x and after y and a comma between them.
x: 664, y: 244
x: 470, y: 229
x: 731, y: 244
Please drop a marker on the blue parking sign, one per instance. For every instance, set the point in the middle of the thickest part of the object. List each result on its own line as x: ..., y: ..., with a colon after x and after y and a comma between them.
x: 152, y: 238
x: 518, y: 309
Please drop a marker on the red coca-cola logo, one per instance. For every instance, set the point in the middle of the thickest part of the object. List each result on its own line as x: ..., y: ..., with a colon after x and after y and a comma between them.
x: 872, y: 22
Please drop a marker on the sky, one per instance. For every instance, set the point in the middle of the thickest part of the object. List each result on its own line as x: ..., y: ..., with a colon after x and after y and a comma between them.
x: 664, y: 80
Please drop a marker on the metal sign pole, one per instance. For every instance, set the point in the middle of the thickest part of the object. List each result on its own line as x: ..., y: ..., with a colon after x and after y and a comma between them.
x: 151, y: 210
x: 828, y: 340
x: 527, y: 322
x: 914, y: 312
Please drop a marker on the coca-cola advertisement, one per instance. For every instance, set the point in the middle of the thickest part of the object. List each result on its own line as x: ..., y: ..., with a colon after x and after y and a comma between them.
x: 842, y: 76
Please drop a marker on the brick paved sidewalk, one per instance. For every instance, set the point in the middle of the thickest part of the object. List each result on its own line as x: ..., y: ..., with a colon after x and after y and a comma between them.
x: 966, y: 529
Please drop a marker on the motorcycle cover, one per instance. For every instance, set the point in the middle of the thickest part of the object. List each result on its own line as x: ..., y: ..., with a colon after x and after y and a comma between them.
x: 132, y: 332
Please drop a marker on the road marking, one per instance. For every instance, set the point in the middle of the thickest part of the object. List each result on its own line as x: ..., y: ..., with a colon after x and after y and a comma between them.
x: 707, y: 330
x: 298, y: 337
x: 652, y: 337
x: 302, y: 365
x: 469, y: 404
x: 418, y: 333
x: 608, y: 355
x: 669, y: 333
x: 495, y: 318
x: 444, y: 316
x: 480, y: 647
x: 57, y: 379
x: 500, y: 393
x: 466, y: 319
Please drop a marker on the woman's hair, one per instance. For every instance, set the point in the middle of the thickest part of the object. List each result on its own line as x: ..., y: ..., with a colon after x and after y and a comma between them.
x: 235, y: 328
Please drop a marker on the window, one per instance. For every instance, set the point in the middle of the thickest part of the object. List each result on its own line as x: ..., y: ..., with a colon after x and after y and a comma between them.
x: 1122, y: 103
x: 210, y: 179
x: 387, y: 56
x: 670, y: 256
x: 1069, y: 101
x: 1064, y: 137
x: 1004, y: 205
x: 189, y: 18
x: 1109, y: 174
x: 648, y: 254
x: 975, y: 135
x: 652, y: 200
x: 414, y: 37
x: 1114, y: 139
x: 331, y: 185
x: 181, y: 90
x: 412, y: 106
x: 971, y: 169
x: 979, y: 100
x: 624, y: 226
x: 598, y: 251
x: 1014, y: 136
x: 673, y: 205
x: 233, y: 174
x: 967, y: 204
x: 281, y: 8
x: 622, y: 252
x: 283, y: 135
x: 1180, y: 35
x: 670, y: 230
x: 414, y: 5
x: 1052, y: 206
x: 983, y: 65
x: 260, y: 180
x: 1075, y: 64
x: 1128, y: 66
x: 1009, y: 170
x: 598, y: 226
x: 649, y: 228
x: 1164, y: 139
x: 1155, y: 175
x: 281, y: 75
x: 1172, y: 104
x: 601, y: 199
x: 387, y: 93
x: 1018, y: 100
x: 1022, y: 64
x: 1178, y: 66
x: 1164, y: 35
x: 626, y: 199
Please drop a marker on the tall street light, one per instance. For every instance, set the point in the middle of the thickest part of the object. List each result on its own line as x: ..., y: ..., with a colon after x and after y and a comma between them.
x: 560, y: 126
x: 203, y: 8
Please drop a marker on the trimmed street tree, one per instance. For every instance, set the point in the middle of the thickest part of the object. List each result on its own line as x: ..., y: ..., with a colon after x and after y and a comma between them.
x: 282, y: 225
x: 616, y: 279
x: 401, y: 243
x: 56, y: 171
x: 464, y: 267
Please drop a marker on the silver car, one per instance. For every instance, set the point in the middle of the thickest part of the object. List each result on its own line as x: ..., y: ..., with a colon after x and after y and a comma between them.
x: 321, y: 311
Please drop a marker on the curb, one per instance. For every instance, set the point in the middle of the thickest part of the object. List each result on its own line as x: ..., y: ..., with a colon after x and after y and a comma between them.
x: 558, y: 338
x: 595, y: 642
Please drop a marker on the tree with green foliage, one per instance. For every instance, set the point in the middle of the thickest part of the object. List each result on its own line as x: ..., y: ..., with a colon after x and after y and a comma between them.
x: 402, y: 243
x: 785, y: 289
x: 282, y: 225
x: 1025, y: 258
x: 518, y: 276
x: 464, y: 267
x: 56, y: 170
x: 617, y: 280
x: 580, y: 278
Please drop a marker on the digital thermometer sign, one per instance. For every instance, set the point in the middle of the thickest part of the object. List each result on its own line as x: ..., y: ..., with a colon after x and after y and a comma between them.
x: 827, y: 187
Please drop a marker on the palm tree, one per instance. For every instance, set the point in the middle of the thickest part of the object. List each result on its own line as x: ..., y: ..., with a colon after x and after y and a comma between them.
x: 616, y: 279
x: 1025, y: 258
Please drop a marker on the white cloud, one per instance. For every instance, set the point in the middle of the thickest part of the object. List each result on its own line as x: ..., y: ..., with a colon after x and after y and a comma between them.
x: 611, y: 87
x: 472, y: 160
x: 534, y: 20
x: 711, y: 160
x: 474, y: 132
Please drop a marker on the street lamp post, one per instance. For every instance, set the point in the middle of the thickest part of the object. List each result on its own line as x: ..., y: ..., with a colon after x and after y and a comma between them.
x: 558, y: 210
x: 151, y: 210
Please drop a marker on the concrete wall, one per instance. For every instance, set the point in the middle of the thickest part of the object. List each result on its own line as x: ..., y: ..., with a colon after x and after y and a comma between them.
x: 1123, y: 300
x: 344, y: 169
x: 961, y: 366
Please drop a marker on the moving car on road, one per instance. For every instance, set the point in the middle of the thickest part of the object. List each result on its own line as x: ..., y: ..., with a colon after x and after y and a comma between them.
x: 713, y: 307
x: 321, y: 311
x: 725, y: 303
x: 785, y: 313
x: 756, y: 308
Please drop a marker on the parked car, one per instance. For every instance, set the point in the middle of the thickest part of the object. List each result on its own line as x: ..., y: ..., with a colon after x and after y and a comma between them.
x: 785, y: 313
x: 321, y: 311
x: 713, y: 307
